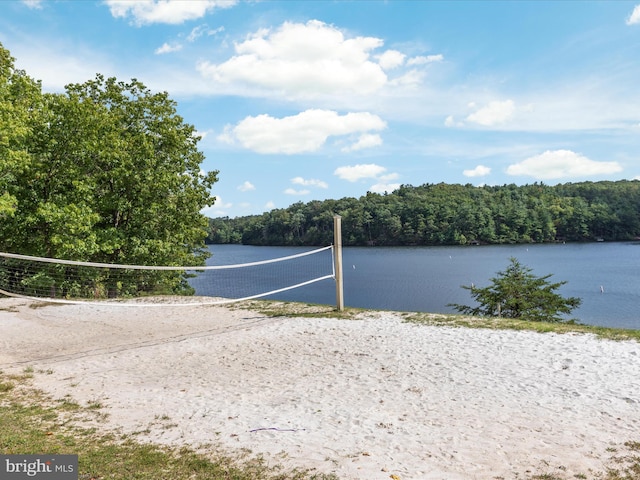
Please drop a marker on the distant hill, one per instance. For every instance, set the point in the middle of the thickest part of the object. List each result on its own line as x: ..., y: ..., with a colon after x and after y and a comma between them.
x: 444, y: 214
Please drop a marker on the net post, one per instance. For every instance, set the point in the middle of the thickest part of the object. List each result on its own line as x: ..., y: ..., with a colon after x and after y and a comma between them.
x: 337, y: 242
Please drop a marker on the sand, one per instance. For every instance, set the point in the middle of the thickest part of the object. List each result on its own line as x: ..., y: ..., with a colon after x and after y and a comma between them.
x: 365, y: 399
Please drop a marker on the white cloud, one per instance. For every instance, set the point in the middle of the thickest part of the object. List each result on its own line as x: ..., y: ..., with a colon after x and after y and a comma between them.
x: 494, y: 113
x: 246, y: 187
x: 354, y: 173
x: 366, y: 140
x: 388, y: 177
x: 479, y: 171
x: 425, y: 60
x: 226, y: 136
x: 314, y: 61
x: 201, y: 30
x: 305, y: 132
x: 270, y: 205
x: 218, y: 209
x: 33, y: 4
x: 302, y: 60
x: 554, y: 164
x: 450, y: 121
x: 309, y: 183
x: 195, y: 33
x: 412, y: 78
x: 291, y: 191
x: 167, y: 48
x: 391, y: 59
x: 57, y: 68
x: 201, y: 133
x: 145, y: 12
x: 384, y: 187
x: 634, y: 18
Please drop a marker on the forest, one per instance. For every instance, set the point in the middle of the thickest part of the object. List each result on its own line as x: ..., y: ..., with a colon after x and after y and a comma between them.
x: 450, y: 214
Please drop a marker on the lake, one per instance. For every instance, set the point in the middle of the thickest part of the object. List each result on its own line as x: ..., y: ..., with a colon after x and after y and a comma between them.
x: 606, y: 276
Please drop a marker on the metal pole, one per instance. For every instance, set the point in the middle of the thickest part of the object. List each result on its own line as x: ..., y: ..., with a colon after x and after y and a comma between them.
x: 337, y: 245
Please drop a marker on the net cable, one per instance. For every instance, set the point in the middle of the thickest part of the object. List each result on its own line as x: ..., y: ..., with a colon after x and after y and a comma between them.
x: 70, y: 281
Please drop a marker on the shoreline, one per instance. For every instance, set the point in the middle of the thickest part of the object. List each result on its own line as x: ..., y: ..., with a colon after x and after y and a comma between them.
x: 363, y: 398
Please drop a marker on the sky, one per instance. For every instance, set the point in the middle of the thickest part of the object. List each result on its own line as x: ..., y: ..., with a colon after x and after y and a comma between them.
x: 302, y: 100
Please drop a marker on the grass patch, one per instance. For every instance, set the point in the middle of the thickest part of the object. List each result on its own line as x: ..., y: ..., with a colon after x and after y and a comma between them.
x: 34, y: 305
x: 31, y: 423
x: 625, y: 465
x: 273, y: 308
x: 514, y: 324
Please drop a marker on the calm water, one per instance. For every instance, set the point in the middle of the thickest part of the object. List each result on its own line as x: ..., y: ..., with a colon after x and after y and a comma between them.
x: 428, y: 278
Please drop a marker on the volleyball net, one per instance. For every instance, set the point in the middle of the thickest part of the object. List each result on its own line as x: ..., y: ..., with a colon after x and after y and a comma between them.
x: 68, y: 281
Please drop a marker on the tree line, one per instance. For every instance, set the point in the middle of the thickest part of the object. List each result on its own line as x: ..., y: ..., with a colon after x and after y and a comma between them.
x: 105, y: 172
x: 450, y: 214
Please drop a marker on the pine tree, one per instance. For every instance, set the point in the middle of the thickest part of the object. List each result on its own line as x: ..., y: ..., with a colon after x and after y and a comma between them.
x: 517, y: 293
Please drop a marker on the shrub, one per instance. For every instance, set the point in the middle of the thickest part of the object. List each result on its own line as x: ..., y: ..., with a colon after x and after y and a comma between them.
x: 517, y: 293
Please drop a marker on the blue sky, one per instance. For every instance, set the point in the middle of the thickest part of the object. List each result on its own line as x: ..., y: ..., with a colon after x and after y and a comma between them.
x: 309, y: 100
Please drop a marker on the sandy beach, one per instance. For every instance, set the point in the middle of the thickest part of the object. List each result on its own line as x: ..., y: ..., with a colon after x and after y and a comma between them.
x: 366, y: 398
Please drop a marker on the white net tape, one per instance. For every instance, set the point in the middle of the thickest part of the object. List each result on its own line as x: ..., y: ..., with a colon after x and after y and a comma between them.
x: 68, y: 281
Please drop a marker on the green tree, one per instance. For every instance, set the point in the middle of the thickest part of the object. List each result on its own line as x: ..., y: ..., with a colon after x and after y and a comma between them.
x: 107, y: 172
x: 442, y: 214
x: 113, y: 175
x: 517, y: 293
x: 20, y: 98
